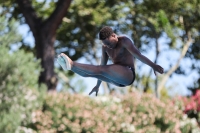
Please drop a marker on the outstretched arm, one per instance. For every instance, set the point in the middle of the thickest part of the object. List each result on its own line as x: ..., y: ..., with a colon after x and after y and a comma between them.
x: 136, y: 53
x: 104, y: 60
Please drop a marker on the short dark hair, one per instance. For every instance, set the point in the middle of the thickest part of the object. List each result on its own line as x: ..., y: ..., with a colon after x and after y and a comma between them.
x: 105, y: 32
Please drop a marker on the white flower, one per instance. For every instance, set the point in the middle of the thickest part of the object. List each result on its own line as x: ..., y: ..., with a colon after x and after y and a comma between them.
x: 128, y: 127
x: 116, y: 100
x: 193, y: 122
x: 185, y: 117
x: 24, y: 130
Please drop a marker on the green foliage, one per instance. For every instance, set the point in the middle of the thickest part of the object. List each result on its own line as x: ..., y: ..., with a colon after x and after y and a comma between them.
x: 164, y: 24
x: 63, y: 112
x: 19, y: 94
x: 8, y: 35
x: 44, y: 8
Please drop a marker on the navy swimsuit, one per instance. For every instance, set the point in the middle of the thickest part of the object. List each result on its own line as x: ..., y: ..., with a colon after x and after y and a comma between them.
x: 133, y: 71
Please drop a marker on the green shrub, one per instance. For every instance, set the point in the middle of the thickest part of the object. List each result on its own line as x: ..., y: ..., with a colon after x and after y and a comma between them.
x: 19, y: 94
x: 19, y: 71
x: 63, y: 112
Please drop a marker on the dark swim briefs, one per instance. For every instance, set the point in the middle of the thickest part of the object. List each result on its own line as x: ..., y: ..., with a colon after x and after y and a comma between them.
x: 133, y: 71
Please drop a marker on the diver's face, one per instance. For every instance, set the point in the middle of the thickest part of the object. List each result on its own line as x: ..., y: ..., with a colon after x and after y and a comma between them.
x: 111, y: 41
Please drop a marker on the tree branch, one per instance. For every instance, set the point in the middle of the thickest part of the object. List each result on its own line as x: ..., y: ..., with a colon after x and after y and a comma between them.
x: 56, y: 17
x: 169, y: 73
x: 29, y: 13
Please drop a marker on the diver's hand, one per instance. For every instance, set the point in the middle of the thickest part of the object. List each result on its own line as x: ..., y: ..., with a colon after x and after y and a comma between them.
x: 158, y: 68
x: 95, y: 89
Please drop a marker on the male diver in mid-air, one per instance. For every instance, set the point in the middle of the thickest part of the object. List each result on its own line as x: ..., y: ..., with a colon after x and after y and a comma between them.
x: 121, y: 51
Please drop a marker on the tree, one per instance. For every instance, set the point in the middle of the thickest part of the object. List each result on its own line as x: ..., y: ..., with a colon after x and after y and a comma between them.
x: 76, y: 35
x: 150, y: 20
x: 183, y: 20
x: 44, y: 31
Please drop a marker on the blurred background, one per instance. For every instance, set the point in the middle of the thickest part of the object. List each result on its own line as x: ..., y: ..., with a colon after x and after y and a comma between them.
x: 36, y: 95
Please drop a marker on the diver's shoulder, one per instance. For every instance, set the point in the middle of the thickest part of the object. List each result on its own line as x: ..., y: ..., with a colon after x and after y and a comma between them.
x: 124, y: 37
x: 125, y: 40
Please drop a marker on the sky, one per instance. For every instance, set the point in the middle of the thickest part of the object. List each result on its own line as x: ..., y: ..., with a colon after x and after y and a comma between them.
x: 179, y: 83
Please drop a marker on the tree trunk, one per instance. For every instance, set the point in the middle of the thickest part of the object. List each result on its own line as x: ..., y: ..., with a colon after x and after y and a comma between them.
x: 44, y: 33
x: 45, y: 51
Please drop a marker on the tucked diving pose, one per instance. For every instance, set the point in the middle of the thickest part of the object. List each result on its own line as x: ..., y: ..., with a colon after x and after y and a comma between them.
x: 121, y: 50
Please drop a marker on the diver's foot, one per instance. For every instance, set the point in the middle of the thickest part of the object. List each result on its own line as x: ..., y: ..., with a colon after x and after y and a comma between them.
x: 64, y: 61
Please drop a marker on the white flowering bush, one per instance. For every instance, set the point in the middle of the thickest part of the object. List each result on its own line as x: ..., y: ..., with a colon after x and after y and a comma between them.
x: 132, y: 113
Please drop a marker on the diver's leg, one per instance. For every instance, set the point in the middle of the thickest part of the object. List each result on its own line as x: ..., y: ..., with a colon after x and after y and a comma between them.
x: 100, y: 77
x: 116, y: 73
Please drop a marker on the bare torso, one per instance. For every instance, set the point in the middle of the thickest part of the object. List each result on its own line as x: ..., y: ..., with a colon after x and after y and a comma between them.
x: 120, y: 55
